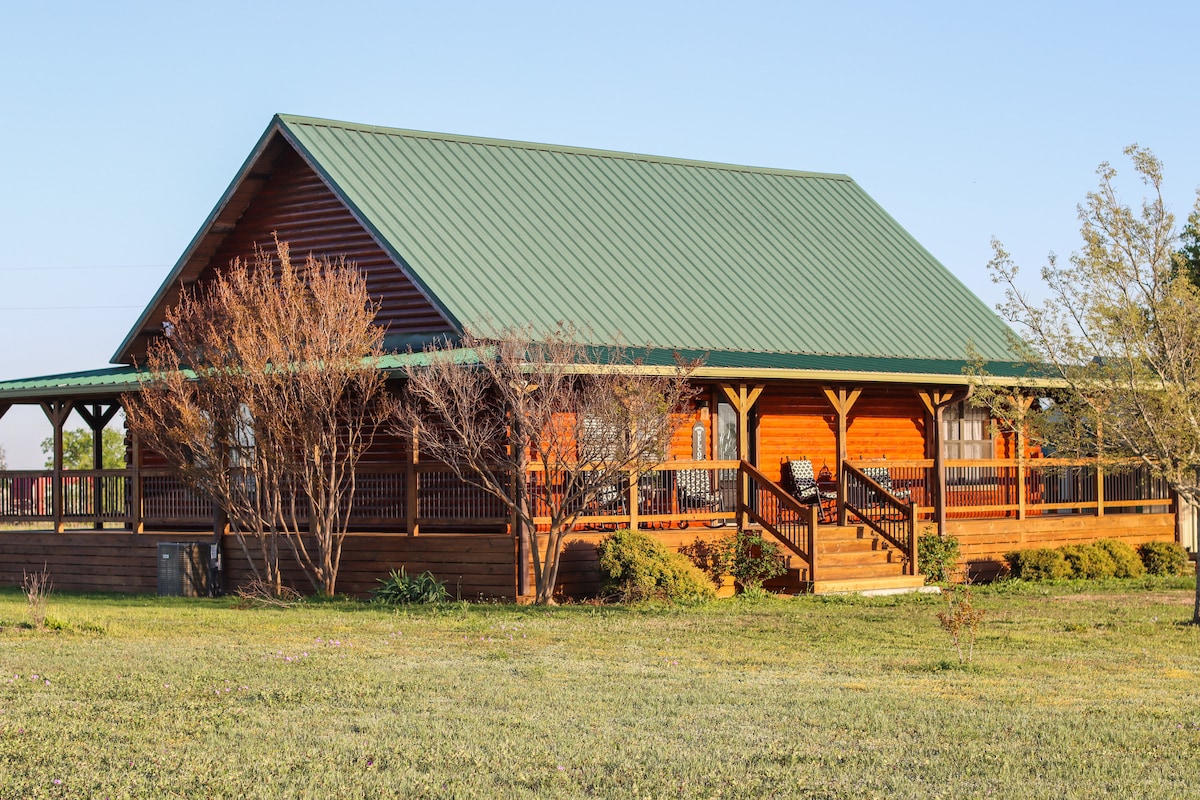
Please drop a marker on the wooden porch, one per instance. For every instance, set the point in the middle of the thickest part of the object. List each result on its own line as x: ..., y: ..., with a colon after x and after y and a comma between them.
x: 864, y: 539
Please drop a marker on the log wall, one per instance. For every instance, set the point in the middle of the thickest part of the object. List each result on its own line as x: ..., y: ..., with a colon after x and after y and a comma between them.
x: 296, y: 204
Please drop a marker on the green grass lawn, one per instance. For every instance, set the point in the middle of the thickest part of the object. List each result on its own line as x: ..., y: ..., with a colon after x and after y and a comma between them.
x: 1078, y: 690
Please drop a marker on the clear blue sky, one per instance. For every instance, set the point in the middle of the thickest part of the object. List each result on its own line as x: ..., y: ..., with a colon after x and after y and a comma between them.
x: 124, y: 122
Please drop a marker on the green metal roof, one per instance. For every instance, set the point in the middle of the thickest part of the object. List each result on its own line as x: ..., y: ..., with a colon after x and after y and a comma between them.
x: 649, y: 250
x: 96, y: 382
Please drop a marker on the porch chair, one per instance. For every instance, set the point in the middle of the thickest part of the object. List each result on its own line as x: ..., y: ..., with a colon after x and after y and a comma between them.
x: 881, y: 476
x: 694, y: 487
x: 884, y: 478
x: 610, y: 500
x: 800, y: 481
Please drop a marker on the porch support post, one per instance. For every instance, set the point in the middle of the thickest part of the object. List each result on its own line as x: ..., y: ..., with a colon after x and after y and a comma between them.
x: 97, y: 416
x: 57, y: 412
x: 136, y: 517
x: 1100, y: 468
x: 743, y: 399
x: 842, y: 400
x: 410, y: 484
x: 1023, y: 403
x: 935, y: 401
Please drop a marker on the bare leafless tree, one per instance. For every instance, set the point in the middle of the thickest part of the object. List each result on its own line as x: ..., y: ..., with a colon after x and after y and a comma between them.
x: 264, y: 396
x: 550, y: 426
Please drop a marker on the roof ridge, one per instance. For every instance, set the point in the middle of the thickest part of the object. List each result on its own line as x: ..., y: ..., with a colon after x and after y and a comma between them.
x: 484, y: 141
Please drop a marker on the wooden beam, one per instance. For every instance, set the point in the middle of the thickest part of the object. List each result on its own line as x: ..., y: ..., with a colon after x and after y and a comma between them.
x: 936, y: 401
x: 842, y: 400
x: 57, y: 412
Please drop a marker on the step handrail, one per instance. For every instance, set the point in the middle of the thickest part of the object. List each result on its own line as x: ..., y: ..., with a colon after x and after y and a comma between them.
x: 866, y: 499
x: 792, y: 523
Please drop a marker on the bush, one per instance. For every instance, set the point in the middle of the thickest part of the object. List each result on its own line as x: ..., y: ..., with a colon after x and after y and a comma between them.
x: 1126, y: 562
x: 1038, y: 564
x: 1088, y: 561
x: 1165, y: 558
x: 751, y: 559
x: 402, y: 588
x: 937, y: 557
x: 636, y: 566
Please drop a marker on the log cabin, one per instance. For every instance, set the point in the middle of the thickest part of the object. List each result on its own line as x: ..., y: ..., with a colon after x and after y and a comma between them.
x: 833, y: 350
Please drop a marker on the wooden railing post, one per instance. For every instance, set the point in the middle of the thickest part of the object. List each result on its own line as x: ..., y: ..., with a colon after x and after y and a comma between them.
x: 912, y: 538
x: 634, y: 476
x: 1099, y: 488
x: 136, y: 515
x: 813, y: 516
x: 410, y: 486
x: 1021, y: 483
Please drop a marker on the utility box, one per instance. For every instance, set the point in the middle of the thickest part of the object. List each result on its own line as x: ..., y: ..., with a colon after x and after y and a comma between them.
x: 182, y: 569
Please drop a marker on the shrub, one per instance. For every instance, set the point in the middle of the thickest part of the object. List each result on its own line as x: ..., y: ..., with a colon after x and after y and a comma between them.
x: 636, y: 566
x: 751, y: 559
x: 1088, y: 561
x: 1126, y: 562
x: 937, y: 557
x: 1038, y: 564
x: 1164, y: 558
x: 402, y: 588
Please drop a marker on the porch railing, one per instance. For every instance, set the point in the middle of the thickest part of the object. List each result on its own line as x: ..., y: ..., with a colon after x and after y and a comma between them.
x: 892, y: 518
x: 674, y: 494
x: 997, y: 488
x: 792, y: 523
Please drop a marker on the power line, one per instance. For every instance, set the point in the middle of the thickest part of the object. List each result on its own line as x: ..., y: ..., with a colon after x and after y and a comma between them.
x: 66, y: 308
x: 91, y: 267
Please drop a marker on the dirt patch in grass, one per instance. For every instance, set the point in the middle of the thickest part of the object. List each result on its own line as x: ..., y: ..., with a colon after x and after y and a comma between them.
x: 1180, y: 597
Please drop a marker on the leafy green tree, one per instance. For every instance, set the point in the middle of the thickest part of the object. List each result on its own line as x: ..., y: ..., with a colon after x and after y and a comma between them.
x: 1189, y: 251
x: 77, y: 449
x: 1119, y: 333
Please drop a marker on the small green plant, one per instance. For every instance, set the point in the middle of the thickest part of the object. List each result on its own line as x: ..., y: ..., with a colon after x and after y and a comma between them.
x: 1126, y: 562
x: 937, y: 557
x: 961, y: 620
x: 402, y: 588
x: 37, y: 587
x: 1164, y: 558
x: 1037, y: 564
x: 636, y: 566
x: 751, y: 560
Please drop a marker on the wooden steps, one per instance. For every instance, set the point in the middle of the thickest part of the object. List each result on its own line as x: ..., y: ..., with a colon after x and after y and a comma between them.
x: 850, y: 558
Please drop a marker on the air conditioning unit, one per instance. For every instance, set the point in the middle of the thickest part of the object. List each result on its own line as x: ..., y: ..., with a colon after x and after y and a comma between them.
x: 182, y: 569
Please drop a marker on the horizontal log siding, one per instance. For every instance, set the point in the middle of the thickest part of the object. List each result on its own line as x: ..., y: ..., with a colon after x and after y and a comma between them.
x: 798, y: 422
x: 983, y: 543
x: 795, y: 423
x: 297, y: 205
x: 473, y: 567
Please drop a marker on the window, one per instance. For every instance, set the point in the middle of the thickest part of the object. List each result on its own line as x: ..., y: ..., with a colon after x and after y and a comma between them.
x: 967, y: 431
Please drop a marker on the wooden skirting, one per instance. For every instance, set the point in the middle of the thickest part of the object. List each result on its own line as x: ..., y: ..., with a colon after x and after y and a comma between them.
x: 473, y: 566
x: 983, y: 543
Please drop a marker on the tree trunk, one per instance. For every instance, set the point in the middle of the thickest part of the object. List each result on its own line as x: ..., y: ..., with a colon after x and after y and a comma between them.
x: 1196, y: 609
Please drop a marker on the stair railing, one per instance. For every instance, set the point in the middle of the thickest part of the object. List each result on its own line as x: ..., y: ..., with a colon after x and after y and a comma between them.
x: 794, y: 524
x: 883, y: 512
